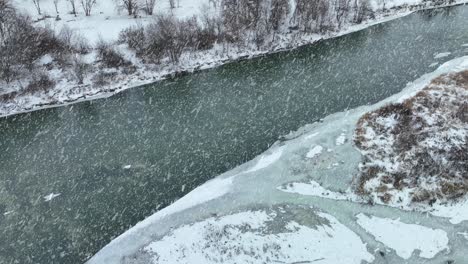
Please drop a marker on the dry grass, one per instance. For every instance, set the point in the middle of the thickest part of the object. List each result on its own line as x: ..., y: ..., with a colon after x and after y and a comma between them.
x: 422, y: 141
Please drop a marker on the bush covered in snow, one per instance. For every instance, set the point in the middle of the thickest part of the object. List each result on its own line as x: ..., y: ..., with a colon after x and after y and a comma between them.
x: 419, y: 146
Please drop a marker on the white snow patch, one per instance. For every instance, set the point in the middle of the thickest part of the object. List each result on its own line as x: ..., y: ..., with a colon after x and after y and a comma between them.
x: 126, y: 167
x: 405, y: 238
x: 315, y: 151
x: 442, y: 55
x: 267, y: 160
x: 311, y: 135
x: 46, y: 59
x: 313, y: 188
x: 51, y: 196
x: 239, y: 238
x: 457, y: 212
x: 341, y: 139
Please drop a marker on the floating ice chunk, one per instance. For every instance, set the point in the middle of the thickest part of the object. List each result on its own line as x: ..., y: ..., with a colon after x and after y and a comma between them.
x: 341, y: 139
x: 405, y: 238
x: 8, y: 212
x: 267, y: 160
x: 442, y: 55
x: 51, y: 196
x: 315, y: 151
x: 434, y: 64
x: 465, y: 45
x: 127, y: 167
x: 241, y: 238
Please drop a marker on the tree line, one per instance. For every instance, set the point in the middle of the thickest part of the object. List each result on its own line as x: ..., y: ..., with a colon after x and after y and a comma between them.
x: 236, y: 23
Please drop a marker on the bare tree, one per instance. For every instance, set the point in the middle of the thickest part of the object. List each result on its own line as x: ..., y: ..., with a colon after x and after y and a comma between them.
x: 149, y: 6
x: 279, y: 11
x: 131, y: 6
x: 37, y: 4
x: 172, y: 4
x: 342, y: 8
x: 87, y: 6
x: 73, y: 6
x: 56, y: 6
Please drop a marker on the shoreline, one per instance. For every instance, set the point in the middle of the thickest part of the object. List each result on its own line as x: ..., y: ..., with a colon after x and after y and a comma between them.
x: 134, y: 80
x: 318, y: 188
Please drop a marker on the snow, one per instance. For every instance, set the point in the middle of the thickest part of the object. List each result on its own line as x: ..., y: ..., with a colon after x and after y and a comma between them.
x: 457, y: 212
x: 106, y: 20
x: 266, y: 160
x: 341, y: 139
x: 223, y: 240
x: 315, y: 151
x: 51, y: 196
x: 313, y: 188
x: 442, y: 55
x: 126, y: 167
x: 405, y: 238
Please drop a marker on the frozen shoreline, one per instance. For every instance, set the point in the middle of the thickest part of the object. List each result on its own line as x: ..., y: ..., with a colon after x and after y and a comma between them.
x: 63, y: 95
x: 275, y: 177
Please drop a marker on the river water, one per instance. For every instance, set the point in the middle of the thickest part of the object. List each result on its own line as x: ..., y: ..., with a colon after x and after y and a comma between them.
x: 177, y: 134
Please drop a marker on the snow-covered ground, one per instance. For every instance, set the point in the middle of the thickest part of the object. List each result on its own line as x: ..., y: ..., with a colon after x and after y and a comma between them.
x: 107, y: 21
x: 286, y: 207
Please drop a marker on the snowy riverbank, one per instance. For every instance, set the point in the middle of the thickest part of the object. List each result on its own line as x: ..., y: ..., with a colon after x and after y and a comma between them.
x: 299, y: 193
x: 66, y: 91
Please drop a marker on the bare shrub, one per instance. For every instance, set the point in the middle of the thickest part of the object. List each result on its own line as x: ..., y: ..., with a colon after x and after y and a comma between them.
x: 279, y: 11
x: 80, y: 69
x: 103, y: 78
x: 108, y: 56
x: 135, y: 38
x: 40, y: 82
x: 167, y: 34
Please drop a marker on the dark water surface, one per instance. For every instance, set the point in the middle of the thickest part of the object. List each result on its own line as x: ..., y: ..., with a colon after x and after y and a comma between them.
x: 177, y: 134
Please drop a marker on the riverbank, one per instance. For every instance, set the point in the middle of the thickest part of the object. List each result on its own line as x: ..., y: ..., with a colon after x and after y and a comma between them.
x: 112, y: 82
x: 307, y: 177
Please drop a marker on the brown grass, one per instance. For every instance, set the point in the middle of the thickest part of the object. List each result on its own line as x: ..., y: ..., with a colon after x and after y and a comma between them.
x: 446, y: 164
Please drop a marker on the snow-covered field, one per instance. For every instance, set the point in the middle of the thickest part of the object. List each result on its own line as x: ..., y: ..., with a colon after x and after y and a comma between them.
x: 107, y: 21
x: 293, y: 204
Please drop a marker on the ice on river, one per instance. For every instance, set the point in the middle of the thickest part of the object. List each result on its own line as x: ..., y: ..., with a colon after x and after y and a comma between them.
x: 405, y: 238
x: 51, y: 196
x: 260, y: 237
x: 299, y: 208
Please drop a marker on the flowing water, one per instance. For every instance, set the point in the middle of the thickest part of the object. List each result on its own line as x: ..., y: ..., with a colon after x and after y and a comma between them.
x: 179, y: 133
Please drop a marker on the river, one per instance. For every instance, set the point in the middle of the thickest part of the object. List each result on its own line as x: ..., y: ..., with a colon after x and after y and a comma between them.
x: 117, y: 160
